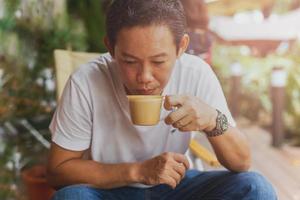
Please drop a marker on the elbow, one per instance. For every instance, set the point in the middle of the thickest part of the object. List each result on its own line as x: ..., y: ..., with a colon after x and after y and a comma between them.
x: 51, y: 177
x: 241, y: 164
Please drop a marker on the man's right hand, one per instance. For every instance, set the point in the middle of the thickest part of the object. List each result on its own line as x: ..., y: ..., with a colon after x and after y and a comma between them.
x: 167, y: 168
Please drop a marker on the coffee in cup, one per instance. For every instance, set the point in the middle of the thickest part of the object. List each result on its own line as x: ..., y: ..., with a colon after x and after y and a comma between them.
x: 145, y: 109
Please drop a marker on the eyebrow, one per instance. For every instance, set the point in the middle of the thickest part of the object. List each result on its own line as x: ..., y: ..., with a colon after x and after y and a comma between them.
x: 154, y: 56
x: 159, y: 55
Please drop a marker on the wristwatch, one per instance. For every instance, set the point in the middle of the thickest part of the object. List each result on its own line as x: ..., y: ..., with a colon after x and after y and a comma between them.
x: 221, y: 125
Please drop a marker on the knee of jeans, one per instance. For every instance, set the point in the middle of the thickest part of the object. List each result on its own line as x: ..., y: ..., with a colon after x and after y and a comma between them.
x: 256, y: 185
x: 74, y: 192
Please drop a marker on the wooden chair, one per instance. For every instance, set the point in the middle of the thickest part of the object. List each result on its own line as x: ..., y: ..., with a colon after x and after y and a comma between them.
x: 67, y: 61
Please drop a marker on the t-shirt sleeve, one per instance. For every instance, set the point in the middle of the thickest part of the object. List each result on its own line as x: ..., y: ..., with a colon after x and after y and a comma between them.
x: 71, y: 125
x: 210, y: 91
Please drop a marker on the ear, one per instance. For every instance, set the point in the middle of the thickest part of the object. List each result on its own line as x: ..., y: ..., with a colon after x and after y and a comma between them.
x: 185, y: 40
x: 108, y: 46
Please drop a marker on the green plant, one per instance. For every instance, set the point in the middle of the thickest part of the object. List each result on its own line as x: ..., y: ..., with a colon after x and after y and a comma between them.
x: 29, y: 33
x: 292, y: 114
x: 91, y: 12
x: 255, y: 93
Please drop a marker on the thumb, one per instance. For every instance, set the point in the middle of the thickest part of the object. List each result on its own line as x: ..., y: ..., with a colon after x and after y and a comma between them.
x: 173, y: 101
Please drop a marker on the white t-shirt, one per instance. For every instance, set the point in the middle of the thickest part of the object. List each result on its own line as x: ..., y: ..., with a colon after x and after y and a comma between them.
x: 93, y: 112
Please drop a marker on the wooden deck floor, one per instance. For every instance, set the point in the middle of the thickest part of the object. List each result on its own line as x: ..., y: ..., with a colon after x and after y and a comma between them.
x: 280, y: 166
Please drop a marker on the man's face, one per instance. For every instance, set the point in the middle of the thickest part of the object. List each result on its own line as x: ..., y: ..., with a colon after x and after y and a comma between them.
x: 145, y: 56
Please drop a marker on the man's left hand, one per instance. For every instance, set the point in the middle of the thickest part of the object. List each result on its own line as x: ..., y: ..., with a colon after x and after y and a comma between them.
x: 191, y: 114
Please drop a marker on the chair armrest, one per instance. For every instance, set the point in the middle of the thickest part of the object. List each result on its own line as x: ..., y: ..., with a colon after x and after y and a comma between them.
x: 204, y: 154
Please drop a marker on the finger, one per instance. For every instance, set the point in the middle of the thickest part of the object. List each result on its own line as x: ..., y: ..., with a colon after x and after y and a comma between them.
x: 193, y: 126
x: 176, y: 115
x: 180, y: 169
x: 171, y: 182
x: 189, y: 127
x: 175, y: 175
x: 183, y: 121
x: 173, y: 101
x: 182, y: 159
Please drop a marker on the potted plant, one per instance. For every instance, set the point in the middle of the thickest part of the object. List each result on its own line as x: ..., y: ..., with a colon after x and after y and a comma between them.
x: 36, y: 184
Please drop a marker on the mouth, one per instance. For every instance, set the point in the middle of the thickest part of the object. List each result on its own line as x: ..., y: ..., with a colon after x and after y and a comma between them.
x: 145, y: 92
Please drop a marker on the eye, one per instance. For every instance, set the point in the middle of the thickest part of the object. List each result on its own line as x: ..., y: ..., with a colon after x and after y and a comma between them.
x: 129, y: 61
x: 158, y: 62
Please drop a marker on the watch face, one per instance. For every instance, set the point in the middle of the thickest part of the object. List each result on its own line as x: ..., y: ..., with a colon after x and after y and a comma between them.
x: 221, y: 126
x: 224, y: 123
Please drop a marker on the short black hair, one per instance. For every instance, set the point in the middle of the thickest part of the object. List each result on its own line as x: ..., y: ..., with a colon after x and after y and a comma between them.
x: 130, y: 13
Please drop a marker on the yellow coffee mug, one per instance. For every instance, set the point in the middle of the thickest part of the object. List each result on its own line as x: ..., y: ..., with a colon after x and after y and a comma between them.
x: 145, y: 109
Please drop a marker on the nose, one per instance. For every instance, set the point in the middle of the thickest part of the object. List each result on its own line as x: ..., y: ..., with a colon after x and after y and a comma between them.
x: 145, y: 76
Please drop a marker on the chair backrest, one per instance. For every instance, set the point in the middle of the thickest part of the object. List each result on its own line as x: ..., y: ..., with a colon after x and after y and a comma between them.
x: 65, y: 63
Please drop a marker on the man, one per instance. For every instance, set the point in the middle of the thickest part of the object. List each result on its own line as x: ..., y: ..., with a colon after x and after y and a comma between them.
x: 146, y: 41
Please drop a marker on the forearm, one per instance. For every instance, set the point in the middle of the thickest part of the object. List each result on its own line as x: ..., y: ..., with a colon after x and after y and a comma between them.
x: 105, y: 176
x: 232, y: 150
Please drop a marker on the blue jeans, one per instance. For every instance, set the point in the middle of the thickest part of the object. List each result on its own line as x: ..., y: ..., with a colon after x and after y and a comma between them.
x: 210, y: 185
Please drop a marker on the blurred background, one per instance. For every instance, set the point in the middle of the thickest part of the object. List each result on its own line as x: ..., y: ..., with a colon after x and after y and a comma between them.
x: 253, y: 46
